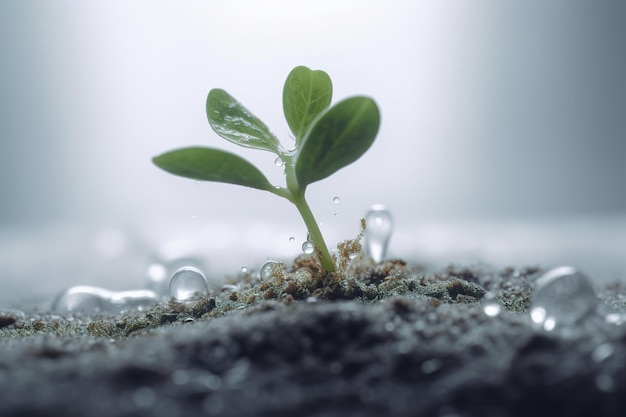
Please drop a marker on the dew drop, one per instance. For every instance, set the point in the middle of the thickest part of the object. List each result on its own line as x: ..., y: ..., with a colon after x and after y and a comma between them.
x: 244, y: 268
x: 562, y: 298
x: 279, y: 162
x: 186, y: 282
x: 94, y: 300
x: 308, y: 247
x: 82, y: 299
x: 336, y: 200
x: 266, y: 270
x: 292, y: 239
x: 336, y: 214
x: 160, y: 271
x: 379, y: 225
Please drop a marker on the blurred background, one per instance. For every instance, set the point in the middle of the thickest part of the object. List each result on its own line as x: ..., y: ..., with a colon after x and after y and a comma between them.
x: 503, y: 133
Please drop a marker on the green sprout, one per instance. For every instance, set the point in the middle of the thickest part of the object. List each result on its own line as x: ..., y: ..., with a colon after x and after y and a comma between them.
x: 326, y: 140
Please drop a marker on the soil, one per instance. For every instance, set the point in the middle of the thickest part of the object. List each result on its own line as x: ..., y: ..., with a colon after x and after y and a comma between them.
x: 371, y: 340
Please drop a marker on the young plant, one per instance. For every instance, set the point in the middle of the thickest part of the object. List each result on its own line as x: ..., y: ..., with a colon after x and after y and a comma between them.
x: 326, y: 140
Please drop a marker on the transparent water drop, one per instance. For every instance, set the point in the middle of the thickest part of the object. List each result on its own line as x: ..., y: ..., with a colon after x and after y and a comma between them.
x: 244, y: 269
x: 279, y: 162
x: 266, y: 270
x: 292, y: 239
x: 163, y: 265
x: 186, y: 282
x: 491, y: 307
x: 562, y: 298
x: 336, y: 200
x: 308, y: 247
x: 336, y: 214
x: 95, y: 300
x: 379, y: 225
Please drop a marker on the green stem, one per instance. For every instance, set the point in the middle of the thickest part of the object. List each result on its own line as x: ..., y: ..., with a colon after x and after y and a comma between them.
x: 314, y: 232
x: 295, y: 194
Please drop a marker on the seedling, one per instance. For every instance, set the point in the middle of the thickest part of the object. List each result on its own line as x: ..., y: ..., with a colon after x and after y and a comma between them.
x: 326, y: 140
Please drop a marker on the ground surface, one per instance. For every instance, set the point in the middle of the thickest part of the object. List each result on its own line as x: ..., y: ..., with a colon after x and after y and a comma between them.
x: 386, y: 340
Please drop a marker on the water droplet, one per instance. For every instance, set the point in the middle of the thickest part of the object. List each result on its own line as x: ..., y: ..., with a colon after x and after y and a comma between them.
x: 186, y: 282
x: 308, y: 247
x: 244, y: 269
x: 94, y: 300
x: 491, y: 307
x: 292, y: 239
x: 266, y: 270
x: 279, y: 162
x: 562, y: 297
x: 336, y: 214
x: 336, y: 200
x: 160, y: 271
x: 379, y: 225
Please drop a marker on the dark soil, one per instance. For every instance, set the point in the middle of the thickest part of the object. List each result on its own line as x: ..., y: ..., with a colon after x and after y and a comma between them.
x: 372, y: 340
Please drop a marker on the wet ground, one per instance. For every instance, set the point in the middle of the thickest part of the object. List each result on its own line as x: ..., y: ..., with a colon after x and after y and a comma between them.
x: 387, y: 340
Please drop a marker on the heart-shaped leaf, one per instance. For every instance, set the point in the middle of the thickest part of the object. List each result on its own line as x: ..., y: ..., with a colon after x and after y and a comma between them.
x: 235, y: 123
x: 337, y: 138
x: 207, y: 164
x: 305, y: 95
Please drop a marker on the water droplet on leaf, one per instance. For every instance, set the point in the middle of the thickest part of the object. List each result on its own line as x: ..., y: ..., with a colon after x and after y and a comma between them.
x: 379, y: 225
x: 244, y: 269
x: 186, y: 282
x: 279, y: 162
x: 562, y: 298
x: 292, y: 239
x: 336, y: 200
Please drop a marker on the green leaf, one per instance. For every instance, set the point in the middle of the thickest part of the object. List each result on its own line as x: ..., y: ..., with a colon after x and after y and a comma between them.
x: 337, y: 138
x: 235, y: 123
x: 207, y: 164
x: 306, y: 94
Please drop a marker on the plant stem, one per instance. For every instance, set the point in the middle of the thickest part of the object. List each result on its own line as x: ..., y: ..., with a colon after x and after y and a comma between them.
x: 314, y: 232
